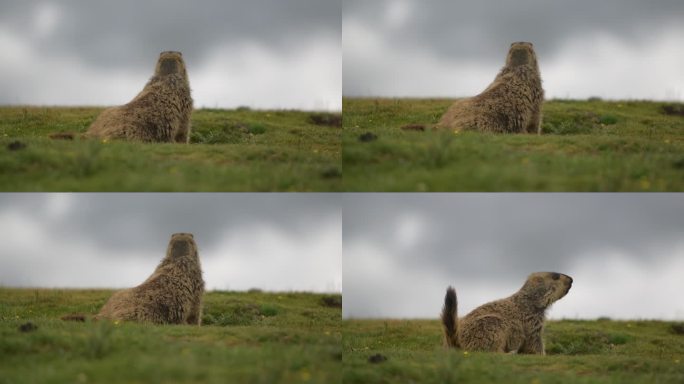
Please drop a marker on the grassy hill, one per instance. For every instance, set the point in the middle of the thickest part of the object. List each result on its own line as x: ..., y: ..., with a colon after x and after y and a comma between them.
x: 247, y: 337
x: 585, y: 146
x: 231, y: 150
x: 604, y: 351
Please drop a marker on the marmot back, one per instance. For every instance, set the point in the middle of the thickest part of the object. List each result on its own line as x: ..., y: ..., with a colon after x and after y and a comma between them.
x: 512, y: 103
x: 171, y: 295
x: 159, y: 113
x: 513, y: 324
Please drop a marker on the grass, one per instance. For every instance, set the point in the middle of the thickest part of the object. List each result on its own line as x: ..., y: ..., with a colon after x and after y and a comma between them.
x: 231, y: 150
x: 247, y: 337
x: 601, y: 351
x: 585, y: 146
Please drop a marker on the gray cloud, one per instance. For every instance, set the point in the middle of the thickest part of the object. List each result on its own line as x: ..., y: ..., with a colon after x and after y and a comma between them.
x: 271, y: 241
x: 126, y: 33
x: 579, y: 40
x: 414, y: 245
x: 455, y: 29
x: 249, y: 41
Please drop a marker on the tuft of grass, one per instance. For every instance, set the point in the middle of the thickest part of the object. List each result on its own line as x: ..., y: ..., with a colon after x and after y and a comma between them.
x: 289, y: 338
x: 585, y: 146
x: 329, y: 119
x: 257, y: 129
x: 230, y: 150
x: 608, y: 119
x: 404, y: 351
x: 673, y: 109
x: 677, y: 329
x: 584, y: 341
x: 333, y: 301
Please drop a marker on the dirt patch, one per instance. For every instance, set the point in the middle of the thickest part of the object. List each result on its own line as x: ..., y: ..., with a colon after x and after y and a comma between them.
x: 414, y: 127
x: 74, y: 317
x: 62, y: 136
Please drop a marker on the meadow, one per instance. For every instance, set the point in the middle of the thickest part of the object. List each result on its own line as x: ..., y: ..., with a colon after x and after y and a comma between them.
x: 246, y: 337
x: 231, y: 150
x: 590, y: 145
x: 601, y: 351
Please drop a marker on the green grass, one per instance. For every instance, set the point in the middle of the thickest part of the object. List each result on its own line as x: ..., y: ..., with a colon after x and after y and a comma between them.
x: 586, y: 146
x: 247, y: 337
x: 231, y: 150
x: 577, y: 352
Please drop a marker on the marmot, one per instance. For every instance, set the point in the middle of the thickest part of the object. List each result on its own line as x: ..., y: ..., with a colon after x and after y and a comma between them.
x: 159, y: 113
x: 512, y: 103
x: 513, y: 324
x: 171, y: 295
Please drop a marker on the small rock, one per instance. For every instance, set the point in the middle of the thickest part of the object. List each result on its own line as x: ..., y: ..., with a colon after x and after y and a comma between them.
x: 377, y: 358
x: 28, y: 327
x: 16, y: 145
x: 368, y: 136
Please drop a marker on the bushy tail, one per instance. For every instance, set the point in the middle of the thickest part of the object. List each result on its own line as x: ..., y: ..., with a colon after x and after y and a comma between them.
x: 450, y: 319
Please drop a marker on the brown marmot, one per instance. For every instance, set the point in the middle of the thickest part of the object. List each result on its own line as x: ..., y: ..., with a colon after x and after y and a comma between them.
x: 159, y: 113
x: 513, y: 324
x: 171, y: 295
x: 512, y: 103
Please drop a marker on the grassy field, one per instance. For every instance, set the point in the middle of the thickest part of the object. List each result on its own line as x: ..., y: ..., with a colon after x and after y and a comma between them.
x: 247, y: 337
x: 600, y: 351
x: 231, y: 150
x: 586, y: 146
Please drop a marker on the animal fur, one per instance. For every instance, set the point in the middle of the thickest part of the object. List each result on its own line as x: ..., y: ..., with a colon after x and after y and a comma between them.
x: 513, y: 324
x: 511, y: 104
x: 171, y: 295
x: 159, y: 113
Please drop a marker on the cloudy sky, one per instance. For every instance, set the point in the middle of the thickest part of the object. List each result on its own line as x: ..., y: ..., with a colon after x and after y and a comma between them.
x: 276, y: 242
x: 257, y: 53
x: 614, y: 49
x: 625, y: 252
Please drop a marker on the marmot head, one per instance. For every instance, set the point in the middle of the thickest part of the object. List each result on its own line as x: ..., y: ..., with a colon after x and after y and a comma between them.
x: 170, y: 63
x: 521, y: 53
x: 544, y: 288
x: 181, y: 244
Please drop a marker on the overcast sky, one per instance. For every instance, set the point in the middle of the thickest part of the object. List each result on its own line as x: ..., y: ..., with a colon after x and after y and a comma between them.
x: 257, y: 53
x: 625, y: 252
x: 276, y: 242
x: 616, y: 49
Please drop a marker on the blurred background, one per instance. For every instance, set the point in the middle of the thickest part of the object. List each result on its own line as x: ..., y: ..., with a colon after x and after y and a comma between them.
x: 273, y: 242
x: 625, y: 252
x: 275, y: 54
x: 613, y: 49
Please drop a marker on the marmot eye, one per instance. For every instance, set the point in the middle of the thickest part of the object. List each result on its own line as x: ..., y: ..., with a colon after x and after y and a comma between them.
x: 555, y: 276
